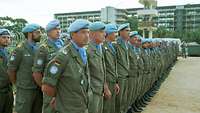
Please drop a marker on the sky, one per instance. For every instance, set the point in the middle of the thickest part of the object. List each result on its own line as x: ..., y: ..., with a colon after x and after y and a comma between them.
x: 42, y: 11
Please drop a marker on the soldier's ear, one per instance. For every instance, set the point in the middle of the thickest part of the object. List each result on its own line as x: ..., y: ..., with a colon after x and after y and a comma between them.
x: 25, y: 35
x: 29, y: 35
x: 72, y: 34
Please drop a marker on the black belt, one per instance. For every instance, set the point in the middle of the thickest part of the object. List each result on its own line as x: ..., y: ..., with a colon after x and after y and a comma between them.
x: 123, y: 77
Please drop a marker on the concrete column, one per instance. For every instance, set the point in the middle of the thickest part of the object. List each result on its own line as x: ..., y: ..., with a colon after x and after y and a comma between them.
x: 143, y: 33
x: 150, y: 33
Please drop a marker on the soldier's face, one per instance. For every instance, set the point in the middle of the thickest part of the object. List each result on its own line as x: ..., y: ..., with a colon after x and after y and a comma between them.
x: 81, y: 37
x: 112, y: 36
x: 4, y: 41
x: 148, y: 44
x: 158, y: 43
x: 125, y: 33
x: 145, y: 45
x: 54, y: 33
x: 155, y: 45
x: 133, y: 40
x: 151, y: 44
x: 36, y: 35
x: 139, y: 43
x: 98, y: 36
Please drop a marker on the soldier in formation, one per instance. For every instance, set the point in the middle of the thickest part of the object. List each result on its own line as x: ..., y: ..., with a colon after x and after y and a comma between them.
x: 96, y: 68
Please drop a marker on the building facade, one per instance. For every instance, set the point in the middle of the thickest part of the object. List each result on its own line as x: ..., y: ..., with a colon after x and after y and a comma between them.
x: 177, y: 18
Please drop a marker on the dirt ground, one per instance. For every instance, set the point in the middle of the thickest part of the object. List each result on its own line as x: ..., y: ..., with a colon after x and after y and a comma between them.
x: 180, y: 93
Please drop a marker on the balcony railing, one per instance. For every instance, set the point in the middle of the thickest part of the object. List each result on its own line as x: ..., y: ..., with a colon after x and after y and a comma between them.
x: 146, y: 24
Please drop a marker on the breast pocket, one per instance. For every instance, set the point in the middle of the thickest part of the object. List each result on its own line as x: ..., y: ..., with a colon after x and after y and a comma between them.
x: 28, y: 59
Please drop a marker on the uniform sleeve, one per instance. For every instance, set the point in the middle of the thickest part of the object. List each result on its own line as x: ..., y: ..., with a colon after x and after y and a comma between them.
x: 54, y: 70
x: 2, y: 68
x: 15, y: 59
x: 104, y: 65
x: 40, y: 60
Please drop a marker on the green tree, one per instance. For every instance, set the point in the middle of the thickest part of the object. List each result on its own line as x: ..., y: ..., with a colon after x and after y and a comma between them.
x: 14, y: 25
x: 133, y: 23
x: 161, y: 32
x: 188, y: 36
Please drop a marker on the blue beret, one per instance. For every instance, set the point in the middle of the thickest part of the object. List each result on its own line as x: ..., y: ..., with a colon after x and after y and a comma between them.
x: 159, y: 40
x: 78, y: 25
x: 52, y: 25
x: 144, y: 40
x: 97, y: 26
x: 110, y: 28
x: 139, y: 36
x: 154, y: 40
x: 4, y: 32
x: 150, y: 40
x: 30, y: 28
x: 123, y: 26
x: 133, y: 33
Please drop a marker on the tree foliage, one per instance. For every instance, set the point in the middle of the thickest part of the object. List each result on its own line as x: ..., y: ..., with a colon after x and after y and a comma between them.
x: 12, y: 24
x: 163, y: 32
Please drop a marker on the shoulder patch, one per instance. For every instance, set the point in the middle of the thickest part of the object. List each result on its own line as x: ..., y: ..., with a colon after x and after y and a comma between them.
x: 53, y: 69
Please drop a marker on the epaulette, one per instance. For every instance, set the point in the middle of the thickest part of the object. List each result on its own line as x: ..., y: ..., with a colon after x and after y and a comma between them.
x: 19, y: 45
x: 44, y: 45
x: 86, y: 46
x: 65, y: 49
x: 105, y: 48
x: 115, y: 42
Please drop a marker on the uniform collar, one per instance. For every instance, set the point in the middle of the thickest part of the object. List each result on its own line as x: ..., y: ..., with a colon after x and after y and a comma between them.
x: 2, y: 48
x: 81, y: 51
x: 3, y: 51
x: 111, y: 47
x: 54, y: 42
x: 32, y: 45
x: 75, y: 45
x: 123, y: 42
x: 97, y: 46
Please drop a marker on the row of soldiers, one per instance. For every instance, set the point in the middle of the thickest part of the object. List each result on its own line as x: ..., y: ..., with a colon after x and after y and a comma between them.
x: 101, y: 69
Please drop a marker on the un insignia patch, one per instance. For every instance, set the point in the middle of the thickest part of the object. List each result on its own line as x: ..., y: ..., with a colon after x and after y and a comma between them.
x: 53, y: 69
x: 39, y: 62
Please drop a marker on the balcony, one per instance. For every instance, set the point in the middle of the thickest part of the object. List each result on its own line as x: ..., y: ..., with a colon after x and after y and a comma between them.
x: 146, y: 24
x: 120, y: 19
x: 152, y: 12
